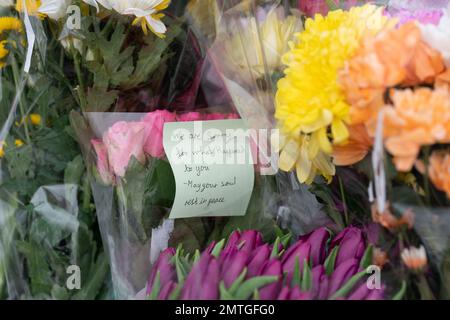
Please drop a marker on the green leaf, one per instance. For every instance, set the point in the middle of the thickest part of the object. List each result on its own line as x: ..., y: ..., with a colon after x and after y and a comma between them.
x: 180, y: 268
x: 100, y: 99
x: 218, y: 248
x: 248, y: 287
x: 237, y: 283
x: 285, y: 240
x: 37, y: 266
x: 275, y: 249
x: 348, y: 286
x: 330, y: 261
x: 95, y: 279
x: 399, y: 295
x: 306, y: 284
x: 74, y: 170
x: 296, y: 279
x: 20, y: 162
x: 367, y: 257
x: 176, y: 292
x: 152, y: 56
x: 224, y: 293
x: 156, y: 287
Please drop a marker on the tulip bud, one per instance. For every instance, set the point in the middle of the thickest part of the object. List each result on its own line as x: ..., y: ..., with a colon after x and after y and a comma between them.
x: 271, y: 291
x: 165, y: 268
x: 232, y: 262
x: 257, y: 260
x: 247, y: 241
x: 351, y: 245
x: 342, y: 274
x: 202, y: 283
x: 317, y: 240
x: 300, y: 252
x: 166, y: 290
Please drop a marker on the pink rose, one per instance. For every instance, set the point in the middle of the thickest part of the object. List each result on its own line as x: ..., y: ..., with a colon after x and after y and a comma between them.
x: 190, y: 116
x: 154, y: 122
x: 123, y: 140
x: 102, y: 161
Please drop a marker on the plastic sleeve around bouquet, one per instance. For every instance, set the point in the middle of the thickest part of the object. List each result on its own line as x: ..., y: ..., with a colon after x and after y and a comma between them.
x: 47, y: 221
x: 122, y: 138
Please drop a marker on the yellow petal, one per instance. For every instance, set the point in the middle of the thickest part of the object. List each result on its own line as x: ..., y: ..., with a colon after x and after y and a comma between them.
x: 304, y: 165
x: 324, y: 142
x: 289, y: 156
x: 339, y: 131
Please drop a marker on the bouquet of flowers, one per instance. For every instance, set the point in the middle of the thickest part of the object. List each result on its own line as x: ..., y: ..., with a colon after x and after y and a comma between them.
x: 212, y: 149
x: 359, y: 82
x: 47, y: 218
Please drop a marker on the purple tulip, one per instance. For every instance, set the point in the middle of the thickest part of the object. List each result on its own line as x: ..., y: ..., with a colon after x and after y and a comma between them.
x: 300, y: 252
x: 351, y: 245
x: 247, y: 240
x: 166, y: 290
x: 257, y: 260
x: 295, y: 293
x: 284, y: 293
x: 318, y: 240
x: 202, y: 283
x: 166, y: 270
x: 271, y: 291
x: 232, y: 262
x: 364, y: 293
x: 342, y: 274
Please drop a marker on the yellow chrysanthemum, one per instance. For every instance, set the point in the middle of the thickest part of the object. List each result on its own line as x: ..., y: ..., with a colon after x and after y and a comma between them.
x: 2, y: 150
x: 10, y: 23
x: 311, y: 108
x: 32, y: 7
x: 3, y: 51
x: 18, y: 143
x: 7, y: 24
x: 35, y: 119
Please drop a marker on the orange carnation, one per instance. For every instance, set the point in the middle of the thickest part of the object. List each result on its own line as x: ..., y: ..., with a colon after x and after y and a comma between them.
x: 439, y: 170
x: 355, y: 149
x: 394, y: 57
x: 417, y: 118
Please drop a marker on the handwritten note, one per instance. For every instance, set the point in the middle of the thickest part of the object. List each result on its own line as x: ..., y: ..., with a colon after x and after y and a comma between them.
x: 212, y: 165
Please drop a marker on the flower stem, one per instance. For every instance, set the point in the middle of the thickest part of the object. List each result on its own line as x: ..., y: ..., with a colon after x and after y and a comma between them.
x: 16, y: 75
x: 424, y: 288
x: 81, y: 87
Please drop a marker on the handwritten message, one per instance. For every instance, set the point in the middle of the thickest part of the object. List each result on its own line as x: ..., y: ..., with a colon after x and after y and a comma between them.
x: 212, y: 165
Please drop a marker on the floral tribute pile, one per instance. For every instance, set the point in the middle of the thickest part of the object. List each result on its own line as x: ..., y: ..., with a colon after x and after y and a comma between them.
x: 355, y: 96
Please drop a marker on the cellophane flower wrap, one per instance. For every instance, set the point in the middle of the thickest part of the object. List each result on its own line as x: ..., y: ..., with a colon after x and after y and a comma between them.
x: 351, y: 191
x: 133, y: 81
x: 47, y: 217
x: 362, y: 110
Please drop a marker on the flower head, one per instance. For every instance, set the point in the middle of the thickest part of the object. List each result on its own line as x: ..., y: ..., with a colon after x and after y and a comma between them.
x: 124, y: 140
x: 417, y: 118
x: 146, y: 12
x: 395, y: 57
x: 103, y: 167
x: 414, y: 258
x: 154, y: 122
x: 261, y: 42
x: 311, y: 107
x: 7, y: 24
x: 54, y: 9
x: 439, y: 170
